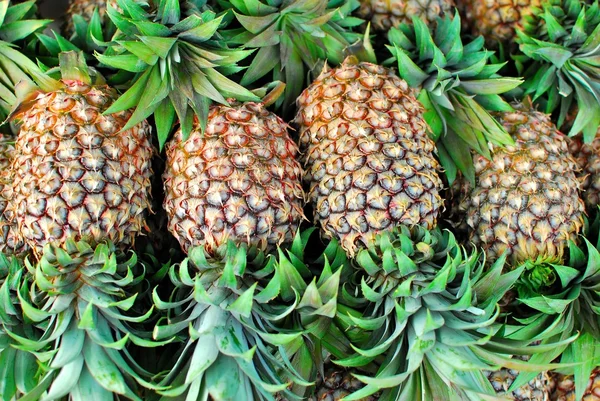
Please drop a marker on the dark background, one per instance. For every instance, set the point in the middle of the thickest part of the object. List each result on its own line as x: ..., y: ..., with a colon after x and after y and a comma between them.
x: 54, y: 9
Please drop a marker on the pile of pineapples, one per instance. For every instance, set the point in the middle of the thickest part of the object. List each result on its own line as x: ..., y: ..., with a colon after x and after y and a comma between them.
x: 300, y: 200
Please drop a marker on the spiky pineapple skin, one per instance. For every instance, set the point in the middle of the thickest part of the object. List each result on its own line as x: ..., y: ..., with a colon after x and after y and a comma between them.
x: 526, y: 198
x: 385, y: 14
x: 238, y: 180
x: 496, y: 20
x: 588, y: 160
x: 565, y: 388
x: 339, y: 384
x: 9, y: 242
x: 74, y: 174
x: 369, y: 162
x: 336, y: 385
x: 538, y: 389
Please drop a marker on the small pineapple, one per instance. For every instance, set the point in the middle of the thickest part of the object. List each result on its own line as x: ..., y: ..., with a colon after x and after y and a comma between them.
x: 74, y: 173
x: 385, y: 14
x: 538, y: 389
x: 526, y: 198
x: 565, y: 388
x: 588, y: 160
x: 239, y: 180
x: 370, y: 163
x: 86, y: 8
x: 338, y: 384
x: 496, y: 20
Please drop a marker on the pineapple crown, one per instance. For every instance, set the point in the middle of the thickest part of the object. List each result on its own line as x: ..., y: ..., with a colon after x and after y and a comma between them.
x: 180, y: 63
x: 88, y: 37
x: 292, y: 38
x: 17, y: 24
x: 422, y: 296
x: 559, y: 51
x: 457, y: 83
x: 556, y: 301
x: 232, y: 304
x: 80, y: 301
x: 72, y: 68
x: 15, y: 380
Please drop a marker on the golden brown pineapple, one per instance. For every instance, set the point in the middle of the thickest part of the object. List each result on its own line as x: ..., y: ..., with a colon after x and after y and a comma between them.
x: 526, y: 199
x: 75, y: 175
x: 565, y: 388
x: 496, y: 20
x: 9, y: 243
x: 239, y: 179
x: 385, y: 14
x: 370, y: 163
x: 588, y: 160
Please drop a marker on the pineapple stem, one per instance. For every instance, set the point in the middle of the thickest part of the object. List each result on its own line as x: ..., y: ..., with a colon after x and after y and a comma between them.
x: 73, y: 67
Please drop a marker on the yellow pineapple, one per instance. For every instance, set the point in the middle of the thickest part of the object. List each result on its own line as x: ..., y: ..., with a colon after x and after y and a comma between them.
x: 370, y: 163
x: 239, y: 180
x: 496, y: 20
x: 565, y: 388
x: 74, y: 174
x: 526, y: 198
x: 385, y: 14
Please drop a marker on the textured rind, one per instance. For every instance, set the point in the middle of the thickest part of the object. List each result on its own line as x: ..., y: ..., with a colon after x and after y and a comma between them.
x: 337, y: 385
x: 538, y: 389
x: 238, y: 180
x: 370, y: 163
x: 496, y: 20
x: 75, y: 175
x: 588, y: 160
x: 9, y: 243
x: 565, y: 388
x: 385, y: 14
x: 526, y: 199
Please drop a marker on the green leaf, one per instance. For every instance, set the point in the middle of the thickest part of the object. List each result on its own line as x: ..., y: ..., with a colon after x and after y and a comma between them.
x: 66, y: 379
x: 164, y: 118
x: 203, y: 32
x: 160, y: 46
x: 104, y: 371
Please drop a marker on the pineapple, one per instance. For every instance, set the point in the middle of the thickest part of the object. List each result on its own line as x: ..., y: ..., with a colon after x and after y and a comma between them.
x: 526, y: 198
x: 587, y: 157
x: 76, y: 172
x: 497, y: 20
x: 370, y: 164
x: 239, y: 180
x: 79, y: 181
x: 565, y: 388
x: 385, y: 14
x: 538, y: 389
x: 339, y: 383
